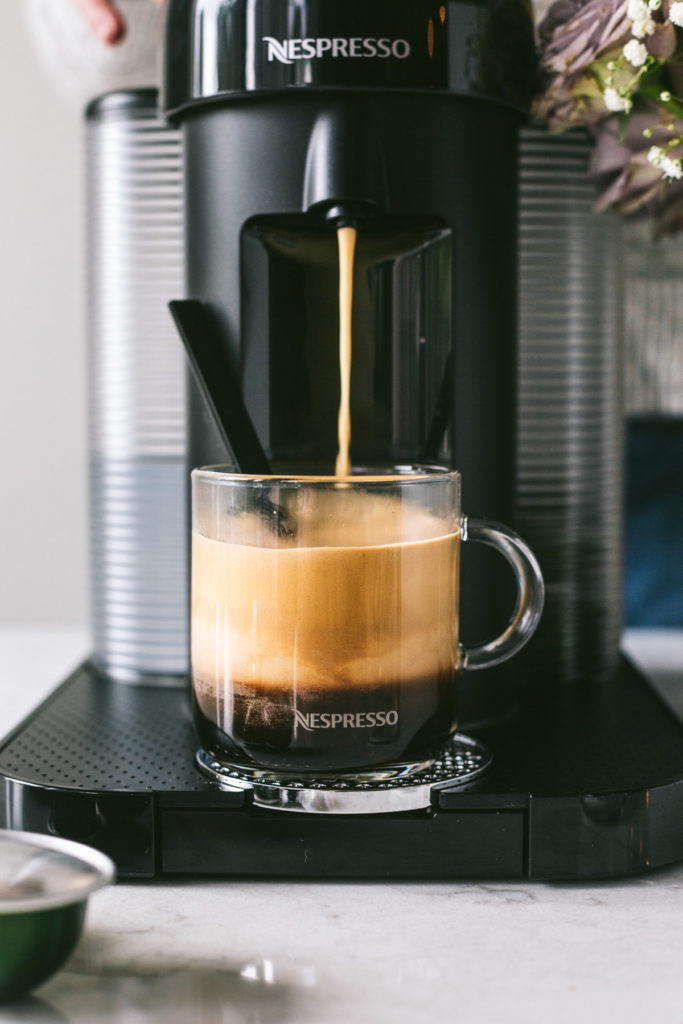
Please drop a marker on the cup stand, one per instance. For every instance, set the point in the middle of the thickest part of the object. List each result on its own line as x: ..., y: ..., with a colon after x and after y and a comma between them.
x: 460, y: 761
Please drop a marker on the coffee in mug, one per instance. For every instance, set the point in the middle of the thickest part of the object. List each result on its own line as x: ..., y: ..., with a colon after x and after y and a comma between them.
x: 325, y: 618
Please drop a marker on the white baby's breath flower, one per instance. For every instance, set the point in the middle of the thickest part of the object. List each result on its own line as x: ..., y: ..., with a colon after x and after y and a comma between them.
x: 613, y: 101
x: 671, y: 168
x: 642, y: 28
x: 654, y: 5
x: 676, y: 13
x: 635, y: 53
x: 642, y: 22
x: 637, y: 10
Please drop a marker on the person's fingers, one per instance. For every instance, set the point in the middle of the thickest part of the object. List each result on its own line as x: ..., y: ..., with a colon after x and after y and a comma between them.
x: 104, y: 19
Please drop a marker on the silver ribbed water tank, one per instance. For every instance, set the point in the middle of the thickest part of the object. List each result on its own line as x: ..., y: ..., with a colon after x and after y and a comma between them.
x: 570, y: 457
x: 654, y: 322
x: 137, y: 392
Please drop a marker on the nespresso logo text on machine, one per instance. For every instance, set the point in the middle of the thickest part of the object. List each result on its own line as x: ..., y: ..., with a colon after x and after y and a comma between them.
x: 287, y: 51
x: 348, y: 720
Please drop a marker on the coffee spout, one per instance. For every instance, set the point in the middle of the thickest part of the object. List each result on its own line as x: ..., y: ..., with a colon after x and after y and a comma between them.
x: 345, y: 165
x: 349, y: 215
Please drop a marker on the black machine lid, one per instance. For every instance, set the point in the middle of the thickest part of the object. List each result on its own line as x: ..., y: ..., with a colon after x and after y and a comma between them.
x: 223, y: 49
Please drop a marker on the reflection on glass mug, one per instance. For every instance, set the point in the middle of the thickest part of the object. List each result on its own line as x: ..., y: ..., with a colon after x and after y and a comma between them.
x: 325, y: 617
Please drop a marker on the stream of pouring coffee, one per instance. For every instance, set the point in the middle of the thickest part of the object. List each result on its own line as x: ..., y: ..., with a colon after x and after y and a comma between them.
x: 346, y: 238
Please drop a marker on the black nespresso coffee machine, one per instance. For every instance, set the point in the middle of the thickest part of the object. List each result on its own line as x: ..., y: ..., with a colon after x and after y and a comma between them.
x: 403, y: 119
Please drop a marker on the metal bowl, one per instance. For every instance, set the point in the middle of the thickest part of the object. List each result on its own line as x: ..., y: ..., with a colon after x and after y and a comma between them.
x: 44, y: 887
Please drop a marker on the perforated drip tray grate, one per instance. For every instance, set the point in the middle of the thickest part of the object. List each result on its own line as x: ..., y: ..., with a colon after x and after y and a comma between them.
x: 93, y: 734
x: 585, y: 782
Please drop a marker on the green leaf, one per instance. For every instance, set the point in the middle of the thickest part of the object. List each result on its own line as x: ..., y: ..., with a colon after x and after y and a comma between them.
x: 624, y: 120
x: 651, y: 89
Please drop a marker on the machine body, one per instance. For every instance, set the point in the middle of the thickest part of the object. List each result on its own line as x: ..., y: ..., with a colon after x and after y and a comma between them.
x: 404, y: 118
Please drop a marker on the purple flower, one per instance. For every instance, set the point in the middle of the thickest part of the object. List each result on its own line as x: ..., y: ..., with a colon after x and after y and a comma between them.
x: 600, y: 58
x: 574, y: 35
x: 629, y: 182
x: 662, y: 43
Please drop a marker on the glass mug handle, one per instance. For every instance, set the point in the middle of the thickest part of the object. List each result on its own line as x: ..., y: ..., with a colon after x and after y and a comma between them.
x: 530, y: 593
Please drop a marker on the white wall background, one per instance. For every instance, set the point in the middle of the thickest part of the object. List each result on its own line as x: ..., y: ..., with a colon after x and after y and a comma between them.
x: 43, y: 532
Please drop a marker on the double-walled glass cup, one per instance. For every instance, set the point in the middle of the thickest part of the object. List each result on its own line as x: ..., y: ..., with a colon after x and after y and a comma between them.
x: 325, y: 618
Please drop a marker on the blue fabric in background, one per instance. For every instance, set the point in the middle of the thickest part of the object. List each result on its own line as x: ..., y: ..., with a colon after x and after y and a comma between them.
x: 654, y: 521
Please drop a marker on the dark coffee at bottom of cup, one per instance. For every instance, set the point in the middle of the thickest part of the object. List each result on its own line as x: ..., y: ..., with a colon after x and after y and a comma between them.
x: 333, y: 729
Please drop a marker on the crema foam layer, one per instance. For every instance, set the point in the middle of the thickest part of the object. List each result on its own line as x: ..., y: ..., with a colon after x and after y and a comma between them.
x: 364, y: 594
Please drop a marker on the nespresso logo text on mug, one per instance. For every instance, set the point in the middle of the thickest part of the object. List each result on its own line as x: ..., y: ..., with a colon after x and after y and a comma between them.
x: 287, y: 51
x: 332, y: 720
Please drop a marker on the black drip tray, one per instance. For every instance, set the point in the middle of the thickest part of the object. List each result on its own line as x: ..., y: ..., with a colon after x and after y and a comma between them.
x: 586, y: 782
x: 97, y: 735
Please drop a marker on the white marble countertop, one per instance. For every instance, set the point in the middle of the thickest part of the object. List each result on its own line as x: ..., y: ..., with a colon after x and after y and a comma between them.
x: 237, y: 952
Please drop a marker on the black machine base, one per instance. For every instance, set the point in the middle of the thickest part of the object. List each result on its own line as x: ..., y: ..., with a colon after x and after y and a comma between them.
x: 586, y: 782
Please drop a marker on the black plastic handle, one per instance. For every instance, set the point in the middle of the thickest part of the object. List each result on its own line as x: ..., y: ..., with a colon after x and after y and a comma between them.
x: 217, y: 383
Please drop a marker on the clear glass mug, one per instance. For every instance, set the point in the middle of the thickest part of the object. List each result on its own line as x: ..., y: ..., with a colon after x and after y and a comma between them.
x: 325, y: 618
